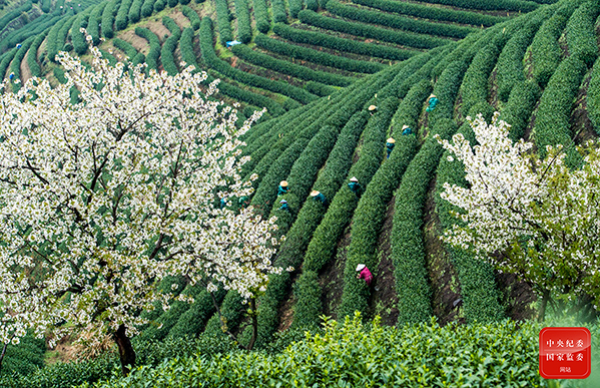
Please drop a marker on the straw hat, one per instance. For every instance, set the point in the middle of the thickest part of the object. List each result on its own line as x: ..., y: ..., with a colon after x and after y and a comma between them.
x: 432, y: 96
x: 360, y: 267
x: 391, y: 140
x: 372, y: 108
x: 314, y: 193
x: 283, y: 201
x: 404, y: 127
x: 353, y: 179
x: 283, y: 184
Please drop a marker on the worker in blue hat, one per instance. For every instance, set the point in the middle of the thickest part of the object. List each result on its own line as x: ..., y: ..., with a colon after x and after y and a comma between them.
x: 389, y: 145
x: 318, y: 196
x: 433, y: 101
x: 223, y: 202
x: 283, y: 188
x: 284, y: 205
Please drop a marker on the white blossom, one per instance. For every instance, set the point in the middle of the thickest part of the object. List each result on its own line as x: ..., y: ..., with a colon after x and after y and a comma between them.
x: 101, y: 200
x: 536, y: 218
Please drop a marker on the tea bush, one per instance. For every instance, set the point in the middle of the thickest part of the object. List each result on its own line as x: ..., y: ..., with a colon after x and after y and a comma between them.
x: 510, y: 70
x: 407, y: 244
x: 135, y: 11
x: 108, y: 18
x: 154, y: 53
x: 353, y: 354
x: 347, y: 45
x: 545, y: 50
x: 167, y: 51
x: 399, y: 22
x: 147, y: 8
x: 223, y: 18
x: 433, y: 13
x: 192, y: 16
x: 552, y: 123
x: 121, y: 18
x: 279, y: 11
x: 581, y: 36
x: 261, y: 15
x: 318, y: 57
x: 32, y: 62
x: 93, y: 27
x: 213, y: 61
x: 368, y: 31
x: 289, y: 68
x: 244, y: 27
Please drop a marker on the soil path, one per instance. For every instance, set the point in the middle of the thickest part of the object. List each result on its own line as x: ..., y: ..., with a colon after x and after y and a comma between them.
x: 442, y: 275
x: 136, y: 41
x: 25, y: 71
x: 159, y: 29
x: 332, y: 276
x: 181, y: 20
x: 384, y: 300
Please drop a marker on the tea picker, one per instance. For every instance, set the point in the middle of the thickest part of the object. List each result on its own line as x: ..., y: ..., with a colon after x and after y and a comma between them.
x: 433, y: 101
x: 389, y: 145
x: 354, y: 185
x: 318, y: 196
x: 364, y: 273
x: 283, y: 188
x: 284, y: 205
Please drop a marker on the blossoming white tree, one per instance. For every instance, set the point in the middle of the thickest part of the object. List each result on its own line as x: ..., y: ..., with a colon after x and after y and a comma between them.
x: 101, y: 200
x: 535, y: 218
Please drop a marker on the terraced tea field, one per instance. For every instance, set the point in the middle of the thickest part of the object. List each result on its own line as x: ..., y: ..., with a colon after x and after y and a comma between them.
x: 291, y: 54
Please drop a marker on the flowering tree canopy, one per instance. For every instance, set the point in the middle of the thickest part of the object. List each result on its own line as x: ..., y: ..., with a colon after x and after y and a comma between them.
x: 101, y: 200
x: 532, y: 217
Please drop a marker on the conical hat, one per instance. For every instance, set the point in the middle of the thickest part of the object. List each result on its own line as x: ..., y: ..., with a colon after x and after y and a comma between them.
x: 283, y: 184
x: 404, y: 127
x: 432, y: 96
x: 391, y: 140
x: 314, y: 193
x: 372, y: 108
x: 283, y: 201
x: 360, y: 267
x: 353, y: 179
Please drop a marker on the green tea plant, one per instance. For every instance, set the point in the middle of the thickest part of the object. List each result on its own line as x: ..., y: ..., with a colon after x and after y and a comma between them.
x: 368, y: 31
x: 432, y: 13
x: 319, y: 57
x: 399, y: 22
x: 580, y: 32
x: 223, y: 18
x: 552, y: 124
x: 289, y: 68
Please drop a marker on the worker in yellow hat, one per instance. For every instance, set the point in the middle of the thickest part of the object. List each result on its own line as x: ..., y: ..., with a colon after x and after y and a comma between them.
x: 283, y: 188
x: 389, y: 145
x: 406, y: 130
x: 318, y: 196
x: 433, y: 101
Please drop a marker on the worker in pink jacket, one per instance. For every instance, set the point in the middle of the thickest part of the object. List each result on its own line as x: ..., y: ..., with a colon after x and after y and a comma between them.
x: 364, y: 273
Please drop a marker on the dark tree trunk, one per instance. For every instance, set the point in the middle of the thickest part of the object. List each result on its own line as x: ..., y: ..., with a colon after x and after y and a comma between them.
x: 4, y: 351
x: 544, y: 305
x: 2, y: 356
x: 126, y: 352
x: 254, y: 317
